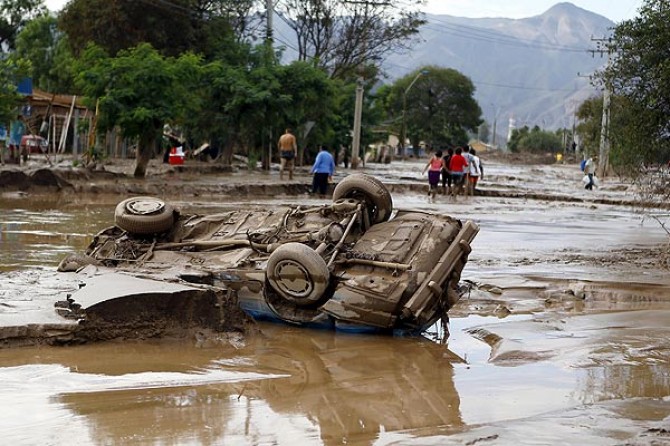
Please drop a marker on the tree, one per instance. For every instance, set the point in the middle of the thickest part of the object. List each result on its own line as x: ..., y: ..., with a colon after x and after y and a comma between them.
x: 172, y: 27
x: 484, y: 133
x: 438, y: 107
x: 11, y: 71
x: 46, y: 48
x: 590, y: 114
x: 640, y: 76
x: 247, y: 106
x: 14, y: 15
x: 342, y: 36
x: 140, y: 91
x: 534, y: 140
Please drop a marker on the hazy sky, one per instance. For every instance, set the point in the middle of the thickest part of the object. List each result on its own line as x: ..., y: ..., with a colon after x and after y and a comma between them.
x: 615, y: 10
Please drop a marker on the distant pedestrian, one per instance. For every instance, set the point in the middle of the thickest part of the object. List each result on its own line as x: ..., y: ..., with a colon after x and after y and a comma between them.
x: 434, y: 168
x: 446, y: 175
x: 468, y: 157
x: 475, y: 171
x: 589, y: 170
x: 458, y: 167
x: 288, y: 150
x: 323, y: 170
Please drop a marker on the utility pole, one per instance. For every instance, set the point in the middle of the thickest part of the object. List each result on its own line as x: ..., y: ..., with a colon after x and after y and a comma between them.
x: 269, y: 7
x: 269, y: 43
x: 604, y: 46
x: 358, y: 111
x: 403, y: 125
x: 574, y: 118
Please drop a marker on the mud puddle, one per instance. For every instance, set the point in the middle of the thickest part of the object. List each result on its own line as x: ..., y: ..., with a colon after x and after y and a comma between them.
x: 562, y: 340
x: 284, y: 385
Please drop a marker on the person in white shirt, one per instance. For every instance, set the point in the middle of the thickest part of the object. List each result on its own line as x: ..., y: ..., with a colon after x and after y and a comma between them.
x: 589, y: 170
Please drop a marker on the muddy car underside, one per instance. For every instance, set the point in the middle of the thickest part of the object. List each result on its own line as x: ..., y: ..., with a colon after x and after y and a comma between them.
x: 353, y: 264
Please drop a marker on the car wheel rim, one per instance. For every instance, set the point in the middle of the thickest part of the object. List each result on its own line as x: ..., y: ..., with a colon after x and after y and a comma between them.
x: 293, y: 279
x: 144, y: 207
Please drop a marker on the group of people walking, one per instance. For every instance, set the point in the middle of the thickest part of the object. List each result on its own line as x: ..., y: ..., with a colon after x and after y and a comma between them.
x: 459, y: 170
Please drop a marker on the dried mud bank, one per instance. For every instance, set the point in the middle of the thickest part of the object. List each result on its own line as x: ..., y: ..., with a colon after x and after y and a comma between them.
x: 220, y: 181
x: 70, y: 316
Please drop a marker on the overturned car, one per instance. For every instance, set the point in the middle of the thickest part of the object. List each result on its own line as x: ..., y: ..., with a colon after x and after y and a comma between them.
x: 355, y: 264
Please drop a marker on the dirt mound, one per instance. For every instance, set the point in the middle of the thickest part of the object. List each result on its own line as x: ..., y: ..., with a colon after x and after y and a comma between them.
x: 20, y: 180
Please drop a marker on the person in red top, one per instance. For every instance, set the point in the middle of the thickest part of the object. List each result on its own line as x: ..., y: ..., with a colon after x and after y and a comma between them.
x: 458, y: 167
x: 434, y: 168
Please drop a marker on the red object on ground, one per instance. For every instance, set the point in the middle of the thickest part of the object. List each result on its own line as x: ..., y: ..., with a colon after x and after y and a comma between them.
x: 176, y: 156
x: 176, y: 160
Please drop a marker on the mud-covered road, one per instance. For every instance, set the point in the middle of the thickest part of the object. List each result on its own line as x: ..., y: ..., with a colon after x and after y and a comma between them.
x: 562, y: 341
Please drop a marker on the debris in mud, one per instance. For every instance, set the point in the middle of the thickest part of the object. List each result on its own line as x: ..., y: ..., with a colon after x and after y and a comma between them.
x: 479, y: 440
x: 658, y: 256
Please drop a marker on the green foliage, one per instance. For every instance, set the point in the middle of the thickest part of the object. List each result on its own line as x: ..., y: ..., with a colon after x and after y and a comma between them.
x: 640, y: 79
x: 438, y: 104
x: 11, y: 71
x: 14, y: 15
x: 47, y: 50
x: 628, y: 157
x: 140, y: 91
x: 590, y: 114
x: 534, y: 140
x: 484, y: 132
x: 174, y: 27
x: 244, y: 106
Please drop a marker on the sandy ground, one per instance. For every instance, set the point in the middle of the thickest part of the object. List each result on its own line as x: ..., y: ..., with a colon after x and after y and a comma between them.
x: 563, y: 340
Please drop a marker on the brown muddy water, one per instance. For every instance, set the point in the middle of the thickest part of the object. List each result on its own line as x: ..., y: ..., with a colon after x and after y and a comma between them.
x: 564, y: 340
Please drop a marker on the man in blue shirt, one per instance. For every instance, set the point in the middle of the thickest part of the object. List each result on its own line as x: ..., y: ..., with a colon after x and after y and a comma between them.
x: 323, y: 170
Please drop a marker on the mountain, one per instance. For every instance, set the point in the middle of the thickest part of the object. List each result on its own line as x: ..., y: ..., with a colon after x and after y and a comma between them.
x: 533, y: 69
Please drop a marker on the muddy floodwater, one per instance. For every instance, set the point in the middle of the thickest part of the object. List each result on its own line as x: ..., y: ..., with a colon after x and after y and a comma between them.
x: 562, y: 340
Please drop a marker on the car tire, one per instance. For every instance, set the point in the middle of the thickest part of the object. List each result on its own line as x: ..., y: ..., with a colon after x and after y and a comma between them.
x: 298, y: 273
x: 144, y: 215
x: 369, y: 189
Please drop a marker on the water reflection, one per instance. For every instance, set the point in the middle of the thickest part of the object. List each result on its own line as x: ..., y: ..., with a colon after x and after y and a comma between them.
x: 37, y: 232
x: 316, y: 387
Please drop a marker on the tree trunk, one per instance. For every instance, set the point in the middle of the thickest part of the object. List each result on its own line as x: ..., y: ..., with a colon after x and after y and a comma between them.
x: 145, y: 151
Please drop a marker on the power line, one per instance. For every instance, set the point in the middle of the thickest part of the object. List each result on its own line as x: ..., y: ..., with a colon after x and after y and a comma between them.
x: 477, y: 83
x: 485, y: 32
x: 484, y: 35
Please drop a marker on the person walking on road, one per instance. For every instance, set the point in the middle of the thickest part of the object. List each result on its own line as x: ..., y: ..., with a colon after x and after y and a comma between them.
x: 434, y: 168
x: 288, y: 150
x: 475, y: 171
x: 458, y: 167
x: 323, y: 170
x: 466, y: 179
x: 589, y: 170
x: 446, y: 175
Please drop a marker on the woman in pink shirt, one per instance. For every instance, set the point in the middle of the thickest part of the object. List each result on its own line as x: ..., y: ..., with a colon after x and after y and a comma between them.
x: 434, y: 168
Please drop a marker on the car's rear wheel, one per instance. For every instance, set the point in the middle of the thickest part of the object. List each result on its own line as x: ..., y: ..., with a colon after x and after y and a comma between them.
x: 144, y: 215
x: 298, y: 273
x: 370, y: 190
